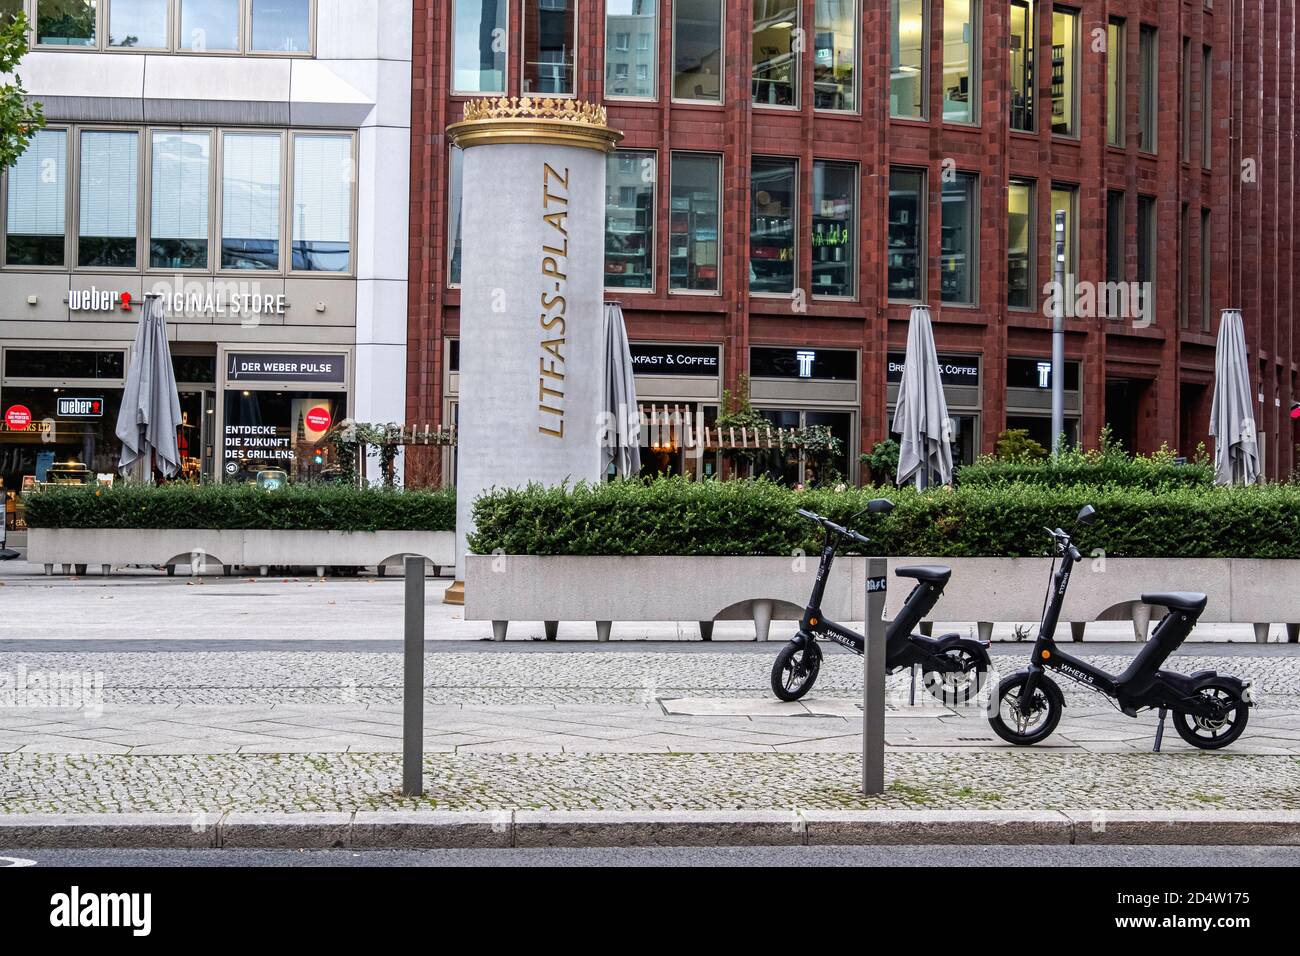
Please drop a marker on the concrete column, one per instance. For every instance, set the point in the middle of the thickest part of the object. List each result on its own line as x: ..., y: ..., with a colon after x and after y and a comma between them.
x: 532, y: 288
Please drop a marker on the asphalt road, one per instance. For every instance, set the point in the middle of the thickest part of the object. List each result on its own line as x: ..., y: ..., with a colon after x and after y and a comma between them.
x: 928, y: 856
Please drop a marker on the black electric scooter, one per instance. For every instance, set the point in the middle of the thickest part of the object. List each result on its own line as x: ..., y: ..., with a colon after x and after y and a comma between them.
x: 1210, y: 709
x: 953, y: 667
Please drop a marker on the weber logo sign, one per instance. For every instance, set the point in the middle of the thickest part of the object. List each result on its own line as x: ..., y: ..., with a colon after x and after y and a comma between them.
x: 70, y: 406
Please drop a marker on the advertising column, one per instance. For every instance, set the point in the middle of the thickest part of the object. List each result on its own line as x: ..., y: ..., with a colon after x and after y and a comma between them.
x: 532, y: 278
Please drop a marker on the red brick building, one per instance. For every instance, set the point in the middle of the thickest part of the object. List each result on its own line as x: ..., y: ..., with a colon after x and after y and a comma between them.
x: 995, y: 112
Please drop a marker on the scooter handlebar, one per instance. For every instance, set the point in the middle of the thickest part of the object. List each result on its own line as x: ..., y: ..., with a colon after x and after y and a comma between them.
x: 830, y: 525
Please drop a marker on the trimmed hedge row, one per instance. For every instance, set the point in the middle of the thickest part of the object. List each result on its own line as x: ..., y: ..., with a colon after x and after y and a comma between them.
x: 309, y: 507
x: 675, y: 516
x: 1077, y: 469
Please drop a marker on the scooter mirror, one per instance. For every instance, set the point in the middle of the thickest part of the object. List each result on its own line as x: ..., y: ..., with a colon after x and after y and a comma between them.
x: 880, y: 506
x: 1087, y: 514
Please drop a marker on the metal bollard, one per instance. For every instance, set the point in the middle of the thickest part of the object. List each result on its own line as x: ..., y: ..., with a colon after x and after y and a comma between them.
x: 413, y: 680
x: 873, y: 679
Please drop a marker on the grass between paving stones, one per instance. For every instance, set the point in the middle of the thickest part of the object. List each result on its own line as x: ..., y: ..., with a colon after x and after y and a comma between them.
x: 57, y: 783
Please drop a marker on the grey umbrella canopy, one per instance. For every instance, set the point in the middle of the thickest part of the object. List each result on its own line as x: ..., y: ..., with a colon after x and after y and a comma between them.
x: 921, y: 416
x: 1232, y: 416
x: 623, y: 429
x: 151, y: 410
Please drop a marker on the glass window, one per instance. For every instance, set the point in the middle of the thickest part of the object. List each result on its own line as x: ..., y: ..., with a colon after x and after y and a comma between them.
x: 907, y: 79
x: 625, y: 19
x: 456, y: 166
x: 1186, y: 120
x: 138, y: 23
x: 957, y: 254
x: 281, y: 26
x: 478, y: 46
x: 835, y: 57
x: 693, y: 223
x: 281, y: 431
x: 549, y: 39
x: 907, y: 255
x: 772, y: 191
x: 1020, y: 59
x: 38, y: 188
x: 1063, y: 202
x: 697, y: 50
x: 90, y: 441
x: 1207, y: 105
x: 1115, y: 236
x: 250, y: 201
x: 1184, y: 265
x: 323, y: 175
x: 776, y: 59
x: 65, y: 22
x: 1115, y: 85
x: 1205, y: 270
x: 629, y: 219
x: 1149, y: 58
x: 64, y: 363
x: 1065, y: 72
x: 960, y: 92
x: 1020, y: 244
x: 109, y: 171
x: 1146, y: 251
x: 9, y: 10
x: 834, y: 228
x: 178, y: 237
x: 209, y: 25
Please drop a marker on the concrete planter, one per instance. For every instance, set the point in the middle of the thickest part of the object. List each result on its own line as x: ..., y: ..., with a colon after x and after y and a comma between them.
x: 200, y: 550
x: 504, y: 588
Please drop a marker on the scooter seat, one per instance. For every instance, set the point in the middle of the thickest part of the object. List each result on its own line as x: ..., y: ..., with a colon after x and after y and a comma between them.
x: 932, y: 573
x: 1187, y: 601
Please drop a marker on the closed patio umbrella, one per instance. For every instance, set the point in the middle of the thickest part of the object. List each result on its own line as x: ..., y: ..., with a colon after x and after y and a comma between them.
x: 1232, y: 416
x: 921, y: 416
x: 623, y: 447
x: 151, y: 409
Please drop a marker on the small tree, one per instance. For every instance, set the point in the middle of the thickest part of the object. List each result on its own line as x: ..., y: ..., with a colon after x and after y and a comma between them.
x: 19, y: 119
x: 1014, y: 444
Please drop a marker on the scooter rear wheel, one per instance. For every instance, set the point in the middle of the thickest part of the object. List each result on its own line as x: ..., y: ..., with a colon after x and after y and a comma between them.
x: 795, y: 670
x: 1015, y: 726
x: 961, y: 685
x: 1210, y: 734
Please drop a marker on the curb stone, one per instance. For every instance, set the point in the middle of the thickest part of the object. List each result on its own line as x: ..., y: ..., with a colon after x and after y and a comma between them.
x: 447, y: 829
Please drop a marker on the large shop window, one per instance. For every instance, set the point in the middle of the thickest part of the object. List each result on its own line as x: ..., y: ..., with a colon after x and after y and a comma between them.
x: 631, y: 48
x: 479, y: 46
x: 1020, y: 61
x: 795, y: 467
x: 907, y: 59
x: 139, y: 24
x: 110, y: 164
x: 957, y: 256
x: 38, y: 185
x: 1020, y: 244
x: 281, y: 26
x: 629, y: 219
x: 697, y: 50
x: 323, y: 174
x: 693, y: 223
x: 775, y: 78
x: 209, y: 26
x: 65, y: 22
x: 835, y: 55
x: 550, y: 38
x: 181, y: 170
x: 267, y: 430
x: 907, y: 254
x: 64, y: 439
x: 250, y: 201
x: 1065, y: 72
x: 834, y: 228
x: 960, y: 78
x: 772, y: 259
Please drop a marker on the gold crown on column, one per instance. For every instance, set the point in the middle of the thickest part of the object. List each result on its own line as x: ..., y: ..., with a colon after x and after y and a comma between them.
x: 527, y: 107
x: 530, y: 119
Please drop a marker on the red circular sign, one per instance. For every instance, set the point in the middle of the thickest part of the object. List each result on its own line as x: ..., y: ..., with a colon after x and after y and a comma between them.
x: 318, y: 418
x: 18, y: 417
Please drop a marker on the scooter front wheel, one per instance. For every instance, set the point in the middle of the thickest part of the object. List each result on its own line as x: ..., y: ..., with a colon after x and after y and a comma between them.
x: 1211, y: 733
x: 795, y: 669
x: 1035, y: 719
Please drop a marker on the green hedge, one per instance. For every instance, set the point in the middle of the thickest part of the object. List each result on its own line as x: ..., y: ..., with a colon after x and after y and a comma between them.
x: 675, y: 516
x: 1148, y: 473
x: 307, y: 507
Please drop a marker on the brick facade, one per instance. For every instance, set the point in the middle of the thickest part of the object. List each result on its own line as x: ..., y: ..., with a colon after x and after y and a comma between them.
x: 1253, y: 254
